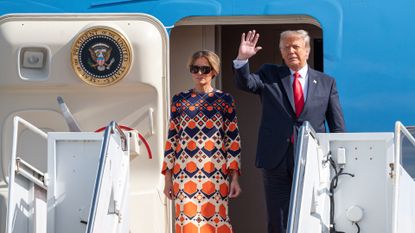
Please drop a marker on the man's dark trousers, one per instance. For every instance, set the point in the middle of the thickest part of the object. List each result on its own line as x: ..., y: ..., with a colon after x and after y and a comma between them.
x: 277, y: 184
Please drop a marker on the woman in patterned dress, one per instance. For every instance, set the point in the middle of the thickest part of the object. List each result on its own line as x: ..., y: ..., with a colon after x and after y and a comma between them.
x: 202, y: 156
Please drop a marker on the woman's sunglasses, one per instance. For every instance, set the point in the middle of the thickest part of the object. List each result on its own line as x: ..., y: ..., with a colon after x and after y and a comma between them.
x: 202, y: 69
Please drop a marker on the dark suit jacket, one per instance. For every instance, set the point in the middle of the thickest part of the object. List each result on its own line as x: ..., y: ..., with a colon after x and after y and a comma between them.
x: 278, y: 119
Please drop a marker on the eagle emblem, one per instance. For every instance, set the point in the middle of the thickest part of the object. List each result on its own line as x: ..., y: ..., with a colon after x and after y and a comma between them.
x: 101, y: 54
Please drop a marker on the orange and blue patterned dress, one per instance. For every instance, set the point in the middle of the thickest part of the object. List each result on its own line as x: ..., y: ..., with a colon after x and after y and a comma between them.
x: 203, y: 145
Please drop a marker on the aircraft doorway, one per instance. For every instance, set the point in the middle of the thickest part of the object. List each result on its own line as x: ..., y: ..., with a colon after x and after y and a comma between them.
x: 247, y: 212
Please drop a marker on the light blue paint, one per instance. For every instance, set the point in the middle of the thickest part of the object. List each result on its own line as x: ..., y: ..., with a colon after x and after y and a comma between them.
x: 368, y: 44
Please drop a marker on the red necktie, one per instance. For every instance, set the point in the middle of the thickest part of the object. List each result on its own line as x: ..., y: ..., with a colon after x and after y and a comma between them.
x: 298, y: 95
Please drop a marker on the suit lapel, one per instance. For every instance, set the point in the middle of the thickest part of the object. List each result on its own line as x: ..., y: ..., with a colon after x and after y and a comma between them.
x: 288, y: 89
x: 312, y: 84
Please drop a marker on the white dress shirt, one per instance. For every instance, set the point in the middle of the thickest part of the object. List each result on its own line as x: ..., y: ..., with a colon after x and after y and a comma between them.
x: 303, y: 79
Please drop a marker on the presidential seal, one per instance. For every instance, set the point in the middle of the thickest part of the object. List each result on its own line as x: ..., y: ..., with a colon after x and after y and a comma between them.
x: 101, y: 56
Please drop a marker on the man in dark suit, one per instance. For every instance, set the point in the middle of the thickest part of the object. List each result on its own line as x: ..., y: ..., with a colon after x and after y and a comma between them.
x: 290, y: 94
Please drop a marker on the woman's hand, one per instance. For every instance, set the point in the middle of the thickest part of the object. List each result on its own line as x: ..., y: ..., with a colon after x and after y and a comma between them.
x: 235, y: 188
x: 168, y: 185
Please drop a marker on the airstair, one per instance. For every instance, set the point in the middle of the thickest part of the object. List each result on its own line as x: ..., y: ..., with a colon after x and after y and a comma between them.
x: 85, y: 188
x: 353, y: 182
